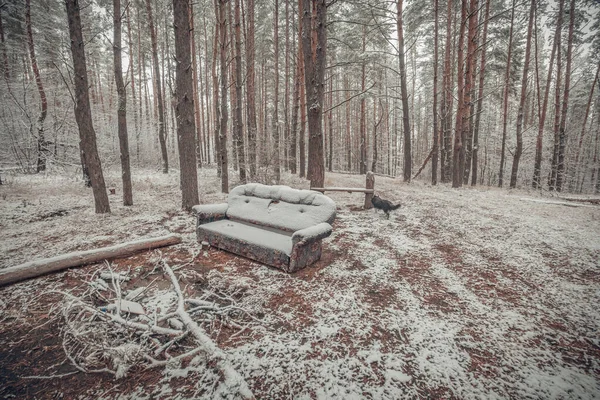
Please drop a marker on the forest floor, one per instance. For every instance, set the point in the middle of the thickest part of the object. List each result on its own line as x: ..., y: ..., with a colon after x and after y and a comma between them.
x: 463, y: 293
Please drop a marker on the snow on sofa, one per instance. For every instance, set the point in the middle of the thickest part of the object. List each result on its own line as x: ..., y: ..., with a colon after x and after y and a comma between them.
x: 275, y: 225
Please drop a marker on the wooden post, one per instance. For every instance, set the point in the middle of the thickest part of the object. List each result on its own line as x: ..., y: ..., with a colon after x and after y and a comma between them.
x: 369, y: 185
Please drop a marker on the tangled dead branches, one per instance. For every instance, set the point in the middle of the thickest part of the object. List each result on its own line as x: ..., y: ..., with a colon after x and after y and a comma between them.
x: 107, y: 330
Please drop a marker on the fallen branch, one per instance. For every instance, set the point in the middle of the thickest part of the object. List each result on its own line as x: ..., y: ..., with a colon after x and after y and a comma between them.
x: 232, y: 378
x: 424, y: 164
x: 44, y: 266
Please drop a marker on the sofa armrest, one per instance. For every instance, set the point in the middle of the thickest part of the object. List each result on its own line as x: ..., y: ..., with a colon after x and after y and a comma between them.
x: 312, y: 233
x: 210, y: 212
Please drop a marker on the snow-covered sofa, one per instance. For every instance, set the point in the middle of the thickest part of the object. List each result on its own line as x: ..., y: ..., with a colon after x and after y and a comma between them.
x: 275, y: 225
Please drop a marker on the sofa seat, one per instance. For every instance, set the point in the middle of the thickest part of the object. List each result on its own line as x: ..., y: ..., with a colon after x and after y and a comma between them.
x: 267, y: 245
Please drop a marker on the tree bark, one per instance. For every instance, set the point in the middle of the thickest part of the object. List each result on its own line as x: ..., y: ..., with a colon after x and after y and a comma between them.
x: 215, y: 84
x: 239, y: 132
x: 293, y: 156
x: 184, y: 90
x: 482, y: 65
x: 132, y: 74
x: 435, y: 151
x: 552, y: 180
x: 302, y: 133
x: 459, y: 136
x: 197, y: 112
x: 122, y: 106
x: 505, y: 97
x: 519, y: 149
x: 314, y: 46
x: 44, y: 266
x: 446, y: 106
x: 251, y: 91
x: 42, y: 151
x: 224, y: 111
x: 404, y: 97
x: 562, y: 137
x: 583, y: 126
x: 83, y: 113
x: 363, y: 100
x: 158, y: 91
x: 6, y: 65
x: 275, y: 117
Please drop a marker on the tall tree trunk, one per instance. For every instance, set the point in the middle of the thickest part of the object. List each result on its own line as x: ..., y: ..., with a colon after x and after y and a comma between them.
x: 132, y: 74
x: 583, y: 126
x: 434, y: 160
x: 239, y: 133
x: 363, y: 101
x: 459, y: 136
x: 83, y: 113
x: 536, y: 183
x: 554, y: 165
x: 295, y: 105
x: 505, y: 97
x: 468, y: 118
x: 404, y: 96
x: 158, y: 91
x: 122, y: 106
x: 251, y: 90
x: 215, y: 84
x: 275, y: 121
x: 42, y: 151
x: 519, y: 149
x: 446, y: 106
x: 302, y: 133
x: 196, y: 96
x: 224, y: 112
x: 314, y: 46
x: 562, y: 137
x: 474, y: 159
x: 286, y: 97
x: 185, y: 104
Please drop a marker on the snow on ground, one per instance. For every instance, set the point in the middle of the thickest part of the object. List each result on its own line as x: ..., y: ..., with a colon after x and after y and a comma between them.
x: 462, y: 293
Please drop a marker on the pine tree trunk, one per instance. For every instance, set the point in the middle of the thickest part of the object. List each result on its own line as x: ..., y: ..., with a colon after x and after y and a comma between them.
x: 215, y: 84
x: 446, y: 106
x: 302, y: 79
x: 482, y: 65
x: 42, y: 151
x: 434, y: 160
x: 519, y: 149
x: 132, y: 74
x: 275, y: 120
x: 196, y: 99
x: 363, y: 123
x: 505, y: 97
x: 554, y: 166
x: 239, y: 133
x: 83, y: 113
x: 286, y: 100
x: 404, y: 97
x: 122, y: 106
x: 562, y: 137
x: 184, y: 91
x: 293, y: 156
x: 458, y: 150
x: 251, y: 91
x: 465, y: 161
x: 224, y: 111
x: 158, y: 91
x: 583, y: 126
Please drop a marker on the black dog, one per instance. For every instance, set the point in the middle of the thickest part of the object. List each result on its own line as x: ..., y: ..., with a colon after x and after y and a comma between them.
x: 384, y: 205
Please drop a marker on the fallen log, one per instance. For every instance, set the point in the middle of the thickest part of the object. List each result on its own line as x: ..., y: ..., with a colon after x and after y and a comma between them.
x: 44, y: 266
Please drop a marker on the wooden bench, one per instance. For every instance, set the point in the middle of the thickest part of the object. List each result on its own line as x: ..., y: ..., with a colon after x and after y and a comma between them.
x: 275, y: 225
x: 369, y: 190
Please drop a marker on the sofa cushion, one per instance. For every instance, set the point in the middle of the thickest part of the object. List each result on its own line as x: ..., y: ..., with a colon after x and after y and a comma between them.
x: 279, y: 207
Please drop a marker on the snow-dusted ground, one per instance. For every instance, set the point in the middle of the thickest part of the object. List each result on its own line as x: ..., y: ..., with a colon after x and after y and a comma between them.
x: 468, y: 293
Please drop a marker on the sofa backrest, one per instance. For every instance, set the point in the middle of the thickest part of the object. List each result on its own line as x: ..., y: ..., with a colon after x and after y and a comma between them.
x: 279, y: 207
